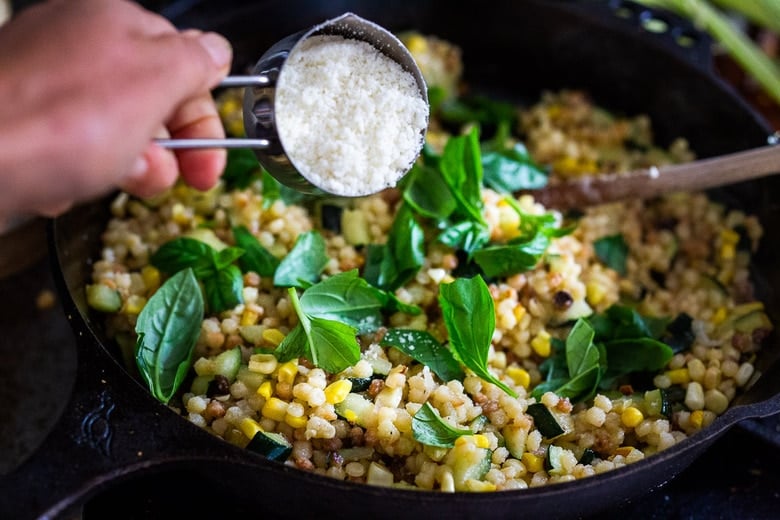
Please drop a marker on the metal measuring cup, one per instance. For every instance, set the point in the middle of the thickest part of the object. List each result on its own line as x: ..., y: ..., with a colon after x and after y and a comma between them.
x: 259, y: 108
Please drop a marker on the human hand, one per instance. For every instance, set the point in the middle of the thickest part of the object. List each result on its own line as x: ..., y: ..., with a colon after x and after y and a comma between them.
x: 86, y: 86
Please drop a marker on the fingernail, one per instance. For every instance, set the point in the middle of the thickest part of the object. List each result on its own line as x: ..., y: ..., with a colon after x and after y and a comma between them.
x: 218, y: 48
x: 139, y: 168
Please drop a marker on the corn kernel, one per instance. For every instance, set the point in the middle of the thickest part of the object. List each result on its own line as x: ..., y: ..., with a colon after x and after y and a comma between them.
x: 416, y: 44
x: 248, y: 318
x: 520, y: 376
x: 337, y: 391
x: 697, y: 418
x: 151, y: 277
x: 532, y: 462
x: 481, y: 441
x: 631, y: 417
x: 249, y: 427
x: 275, y: 409
x: 265, y: 389
x: 134, y: 304
x: 295, y: 422
x: 273, y: 336
x: 288, y: 371
x: 478, y: 485
x: 179, y: 214
x: 262, y: 363
x: 624, y: 451
x: 519, y: 311
x: 728, y: 251
x: 729, y: 236
x: 678, y: 376
x: 719, y: 316
x: 594, y: 293
x: 541, y: 344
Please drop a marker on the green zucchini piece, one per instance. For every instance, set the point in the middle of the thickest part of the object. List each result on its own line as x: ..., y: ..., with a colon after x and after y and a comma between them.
x: 200, y: 385
x: 360, y: 384
x: 587, y: 456
x: 752, y: 321
x: 657, y: 403
x: 552, y: 462
x: 355, y: 409
x: 271, y: 445
x: 103, y: 298
x: 227, y: 363
x: 550, y: 424
x: 515, y: 437
x: 470, y: 465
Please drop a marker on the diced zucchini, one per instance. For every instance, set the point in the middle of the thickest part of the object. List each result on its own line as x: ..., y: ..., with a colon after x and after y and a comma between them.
x: 552, y: 462
x: 379, y: 475
x: 355, y: 408
x: 272, y: 445
x: 375, y: 356
x: 578, y: 309
x: 227, y: 363
x: 200, y: 385
x: 354, y: 227
x: 752, y: 321
x: 587, y: 456
x: 252, y: 380
x: 103, y: 298
x: 550, y: 423
x: 206, y: 236
x: 468, y: 462
x: 252, y: 333
x: 478, y: 423
x: 360, y: 384
x: 515, y: 438
x: 356, y: 453
x: 657, y: 404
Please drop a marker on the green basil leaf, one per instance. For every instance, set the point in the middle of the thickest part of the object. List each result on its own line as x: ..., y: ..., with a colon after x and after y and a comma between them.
x: 636, y: 355
x: 613, y: 251
x: 241, y: 170
x: 430, y: 429
x: 511, y: 170
x: 461, y: 166
x: 227, y: 256
x: 424, y: 348
x: 468, y: 236
x: 469, y: 316
x: 256, y: 258
x: 506, y: 260
x: 168, y: 327
x: 479, y: 109
x: 345, y: 297
x: 272, y: 189
x: 224, y: 289
x: 304, y: 263
x: 581, y: 353
x: 391, y: 265
x: 425, y: 190
x: 183, y: 252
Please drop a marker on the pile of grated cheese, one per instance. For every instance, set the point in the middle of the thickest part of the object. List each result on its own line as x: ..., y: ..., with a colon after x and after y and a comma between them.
x: 350, y: 119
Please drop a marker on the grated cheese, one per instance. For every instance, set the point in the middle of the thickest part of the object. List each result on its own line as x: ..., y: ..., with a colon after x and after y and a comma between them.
x: 350, y: 119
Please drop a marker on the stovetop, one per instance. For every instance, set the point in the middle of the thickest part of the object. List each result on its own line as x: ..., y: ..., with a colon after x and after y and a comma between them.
x: 737, y: 478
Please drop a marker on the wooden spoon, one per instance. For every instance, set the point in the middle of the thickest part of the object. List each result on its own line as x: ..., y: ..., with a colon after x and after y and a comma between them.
x: 654, y: 181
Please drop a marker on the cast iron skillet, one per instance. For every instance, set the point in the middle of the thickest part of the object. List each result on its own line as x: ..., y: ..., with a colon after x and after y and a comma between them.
x: 113, y: 428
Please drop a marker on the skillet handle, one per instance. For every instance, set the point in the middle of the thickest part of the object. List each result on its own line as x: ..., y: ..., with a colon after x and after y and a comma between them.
x: 109, y: 431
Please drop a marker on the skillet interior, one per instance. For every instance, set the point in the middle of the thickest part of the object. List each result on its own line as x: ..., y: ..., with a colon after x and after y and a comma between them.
x: 514, y: 49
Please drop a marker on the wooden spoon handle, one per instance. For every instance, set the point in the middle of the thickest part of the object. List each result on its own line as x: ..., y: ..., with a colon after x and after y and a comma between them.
x: 652, y: 182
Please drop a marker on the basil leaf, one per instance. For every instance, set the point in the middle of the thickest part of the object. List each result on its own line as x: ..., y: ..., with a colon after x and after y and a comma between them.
x: 256, y: 258
x: 224, y: 288
x: 469, y: 316
x: 391, y: 265
x: 345, y: 297
x: 511, y: 170
x: 272, y: 189
x: 430, y: 429
x: 328, y: 344
x: 304, y: 263
x: 637, y: 355
x: 506, y: 260
x: 461, y: 166
x: 183, y: 252
x: 226, y: 257
x: 241, y: 170
x: 480, y: 109
x: 168, y: 327
x: 424, y: 348
x: 425, y: 190
x: 613, y: 251
x: 468, y: 236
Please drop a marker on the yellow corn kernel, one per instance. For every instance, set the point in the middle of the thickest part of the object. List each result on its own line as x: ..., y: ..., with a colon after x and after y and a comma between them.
x: 350, y: 416
x: 295, y: 422
x: 416, y: 44
x: 541, y: 344
x: 134, y: 304
x: 179, y: 214
x: 594, y: 293
x: 729, y: 236
x: 249, y: 427
x: 478, y: 485
x: 532, y: 462
x: 678, y: 376
x: 719, y: 316
x: 265, y: 389
x: 508, y: 221
x: 728, y: 251
x: 519, y: 312
x: 520, y: 376
x: 624, y: 451
x: 273, y: 336
x: 337, y: 391
x: 248, y: 318
x: 631, y: 417
x: 288, y: 371
x: 151, y: 277
x: 275, y: 409
x: 697, y: 418
x: 481, y: 441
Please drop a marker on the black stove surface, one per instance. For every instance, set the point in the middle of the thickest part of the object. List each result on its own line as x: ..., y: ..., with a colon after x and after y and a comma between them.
x: 737, y: 478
